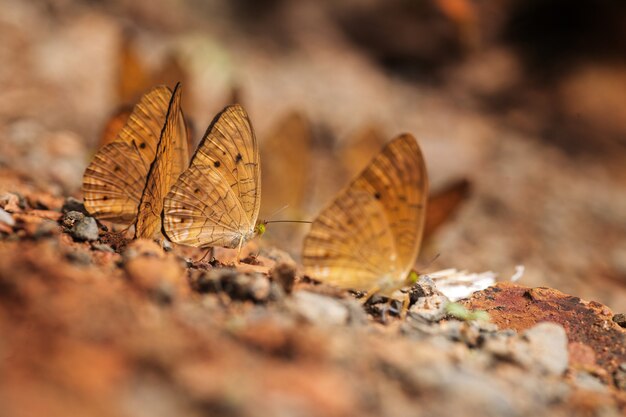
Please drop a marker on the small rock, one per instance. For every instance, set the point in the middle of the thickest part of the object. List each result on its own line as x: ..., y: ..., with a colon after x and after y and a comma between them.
x: 102, y: 247
x: 588, y: 382
x: 209, y: 281
x: 356, y: 313
x: 70, y: 218
x: 85, y: 229
x: 12, y: 202
x: 277, y: 292
x: 285, y: 275
x: 259, y: 287
x: 73, y: 204
x: 319, y: 309
x: 6, y: 218
x: 620, y: 376
x: 78, y: 257
x: 548, y: 347
x: 243, y: 287
x: 156, y: 273
x: 431, y: 308
x: 620, y: 319
x: 46, y: 228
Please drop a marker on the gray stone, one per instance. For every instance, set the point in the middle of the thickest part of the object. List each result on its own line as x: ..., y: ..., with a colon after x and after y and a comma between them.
x: 620, y: 319
x: 102, y: 247
x: 620, y: 376
x: 547, y: 347
x: 70, y: 218
x: 85, y: 229
x: 431, y: 308
x: 6, y: 218
x: 319, y: 309
x: 73, y: 204
x: 588, y: 382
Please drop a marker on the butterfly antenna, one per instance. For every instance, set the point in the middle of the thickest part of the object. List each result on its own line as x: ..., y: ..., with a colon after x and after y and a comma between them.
x: 432, y: 261
x: 288, y: 221
x: 283, y: 208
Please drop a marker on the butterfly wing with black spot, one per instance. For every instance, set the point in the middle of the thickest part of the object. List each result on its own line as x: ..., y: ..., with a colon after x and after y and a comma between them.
x: 115, y: 179
x: 170, y: 161
x: 215, y: 202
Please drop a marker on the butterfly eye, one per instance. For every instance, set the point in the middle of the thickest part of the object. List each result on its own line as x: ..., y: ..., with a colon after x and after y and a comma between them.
x: 260, y: 229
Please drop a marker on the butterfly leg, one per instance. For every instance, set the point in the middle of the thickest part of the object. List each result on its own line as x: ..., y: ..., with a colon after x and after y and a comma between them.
x: 210, y: 250
x: 239, y: 251
x: 406, y: 301
x: 369, y: 294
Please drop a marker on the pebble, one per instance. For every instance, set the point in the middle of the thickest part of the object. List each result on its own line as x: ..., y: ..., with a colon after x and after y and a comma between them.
x: 6, y: 218
x: 588, y: 382
x: 547, y: 348
x: 285, y: 275
x: 620, y: 376
x: 103, y: 247
x: 432, y: 308
x: 70, y: 218
x: 620, y: 319
x: 73, y: 204
x: 85, y: 229
x: 319, y: 309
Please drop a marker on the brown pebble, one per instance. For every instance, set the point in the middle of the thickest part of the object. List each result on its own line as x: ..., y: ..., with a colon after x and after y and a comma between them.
x: 285, y: 275
x: 620, y: 319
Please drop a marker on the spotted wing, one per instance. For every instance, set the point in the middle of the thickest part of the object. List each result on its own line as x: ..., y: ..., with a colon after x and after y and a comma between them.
x: 145, y: 123
x: 373, y: 229
x: 113, y: 183
x: 115, y: 179
x: 215, y: 202
x: 170, y: 161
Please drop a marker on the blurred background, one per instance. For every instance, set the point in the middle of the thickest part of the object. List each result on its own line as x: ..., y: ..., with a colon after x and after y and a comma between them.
x: 522, y: 103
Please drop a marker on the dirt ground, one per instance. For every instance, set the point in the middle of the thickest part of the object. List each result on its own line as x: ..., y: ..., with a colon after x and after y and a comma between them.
x: 523, y: 103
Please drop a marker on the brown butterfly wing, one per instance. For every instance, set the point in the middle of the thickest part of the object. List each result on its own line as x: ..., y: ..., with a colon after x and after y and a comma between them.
x: 443, y: 205
x: 170, y: 161
x: 216, y: 201
x: 145, y: 124
x: 113, y: 183
x: 373, y: 229
x: 108, y: 198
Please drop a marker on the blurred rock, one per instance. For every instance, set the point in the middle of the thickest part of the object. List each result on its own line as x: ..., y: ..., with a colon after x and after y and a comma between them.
x: 73, y: 204
x: 547, y: 344
x: 432, y: 308
x: 592, y: 334
x: 6, y: 218
x: 70, y: 219
x: 620, y: 376
x: 620, y: 319
x: 12, y: 202
x: 161, y: 275
x: 103, y: 247
x: 589, y: 382
x: 319, y: 309
x: 85, y: 229
x: 285, y: 275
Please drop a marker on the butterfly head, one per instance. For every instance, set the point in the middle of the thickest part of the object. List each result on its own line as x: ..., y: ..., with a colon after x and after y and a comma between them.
x: 260, y: 228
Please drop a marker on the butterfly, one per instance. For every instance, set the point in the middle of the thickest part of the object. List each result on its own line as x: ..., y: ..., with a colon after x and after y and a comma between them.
x: 126, y: 179
x: 216, y: 200
x: 369, y: 237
